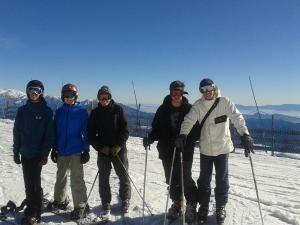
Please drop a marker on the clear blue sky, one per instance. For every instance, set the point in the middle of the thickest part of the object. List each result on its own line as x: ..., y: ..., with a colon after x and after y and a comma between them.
x: 153, y: 42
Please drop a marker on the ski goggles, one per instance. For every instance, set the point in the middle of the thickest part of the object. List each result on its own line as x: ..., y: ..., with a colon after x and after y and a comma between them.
x: 34, y: 90
x: 70, y: 94
x: 207, y: 88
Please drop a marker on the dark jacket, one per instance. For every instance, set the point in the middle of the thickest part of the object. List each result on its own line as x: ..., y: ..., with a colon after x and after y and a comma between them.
x: 71, y: 129
x: 107, y: 126
x: 166, y: 127
x: 34, y: 130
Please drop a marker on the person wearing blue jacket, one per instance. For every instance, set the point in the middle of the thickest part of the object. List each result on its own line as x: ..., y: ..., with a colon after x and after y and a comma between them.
x: 70, y: 152
x: 33, y: 138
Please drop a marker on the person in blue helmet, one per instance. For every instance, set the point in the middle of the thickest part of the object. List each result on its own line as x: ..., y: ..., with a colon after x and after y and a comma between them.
x: 71, y: 152
x: 33, y: 138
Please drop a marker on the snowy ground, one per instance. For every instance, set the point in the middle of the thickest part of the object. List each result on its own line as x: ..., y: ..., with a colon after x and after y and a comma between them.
x: 277, y: 177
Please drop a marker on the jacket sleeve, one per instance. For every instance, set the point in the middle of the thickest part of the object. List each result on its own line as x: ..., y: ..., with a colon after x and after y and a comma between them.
x: 190, y: 119
x: 84, y: 130
x: 236, y: 118
x: 17, y: 134
x: 49, y: 137
x: 123, y: 132
x: 155, y: 132
x: 92, y: 131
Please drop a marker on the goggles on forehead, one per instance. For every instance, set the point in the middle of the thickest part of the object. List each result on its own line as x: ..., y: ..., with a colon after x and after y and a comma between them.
x: 207, y: 88
x: 35, y: 90
x: 69, y: 94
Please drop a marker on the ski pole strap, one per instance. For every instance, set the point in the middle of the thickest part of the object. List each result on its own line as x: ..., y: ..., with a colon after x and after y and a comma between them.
x: 209, y: 111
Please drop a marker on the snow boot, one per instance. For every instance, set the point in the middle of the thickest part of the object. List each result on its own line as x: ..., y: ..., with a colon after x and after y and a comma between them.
x: 220, y: 215
x: 125, y: 206
x: 190, y: 212
x: 175, y: 210
x: 202, y: 215
x: 78, y: 213
x: 55, y: 205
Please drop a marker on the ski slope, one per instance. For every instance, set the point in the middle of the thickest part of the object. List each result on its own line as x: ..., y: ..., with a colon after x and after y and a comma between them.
x: 277, y: 178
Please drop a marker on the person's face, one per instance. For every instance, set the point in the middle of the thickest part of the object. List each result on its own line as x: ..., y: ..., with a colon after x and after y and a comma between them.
x: 69, y: 97
x: 104, y: 99
x: 176, y: 96
x: 35, y: 93
x: 208, y: 92
x: 69, y: 101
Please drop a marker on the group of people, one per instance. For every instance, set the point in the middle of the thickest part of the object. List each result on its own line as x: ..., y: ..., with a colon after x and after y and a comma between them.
x: 177, y: 125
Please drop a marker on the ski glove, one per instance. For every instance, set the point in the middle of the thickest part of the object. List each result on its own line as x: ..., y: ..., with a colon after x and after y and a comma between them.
x: 17, y: 158
x: 54, y: 155
x: 105, y: 150
x: 247, y: 142
x: 115, y: 150
x: 147, y: 141
x: 180, y: 142
x: 43, y: 161
x: 84, y: 157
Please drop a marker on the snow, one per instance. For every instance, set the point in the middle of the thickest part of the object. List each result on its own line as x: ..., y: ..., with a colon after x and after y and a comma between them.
x: 277, y: 178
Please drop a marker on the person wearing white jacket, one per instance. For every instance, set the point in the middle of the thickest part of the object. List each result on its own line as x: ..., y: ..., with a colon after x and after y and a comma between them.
x: 215, y: 145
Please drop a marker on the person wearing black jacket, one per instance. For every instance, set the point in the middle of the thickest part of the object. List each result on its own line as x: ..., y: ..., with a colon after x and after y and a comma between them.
x: 108, y: 133
x: 165, y: 128
x: 33, y: 138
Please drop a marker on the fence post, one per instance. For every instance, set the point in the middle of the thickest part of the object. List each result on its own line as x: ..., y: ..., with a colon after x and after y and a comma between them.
x: 273, y: 138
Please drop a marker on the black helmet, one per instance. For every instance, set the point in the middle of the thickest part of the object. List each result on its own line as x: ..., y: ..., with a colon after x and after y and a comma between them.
x: 35, y: 84
x: 69, y: 91
x: 177, y: 85
x: 104, y: 90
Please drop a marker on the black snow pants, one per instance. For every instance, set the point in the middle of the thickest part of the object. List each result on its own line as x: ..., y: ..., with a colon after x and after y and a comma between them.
x: 190, y: 189
x: 105, y: 166
x: 33, y: 189
x: 222, y: 182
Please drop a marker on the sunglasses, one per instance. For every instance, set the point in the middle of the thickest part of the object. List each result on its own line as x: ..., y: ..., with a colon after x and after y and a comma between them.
x: 35, y: 90
x: 177, y: 93
x: 70, y: 94
x: 101, y: 99
x: 207, y: 89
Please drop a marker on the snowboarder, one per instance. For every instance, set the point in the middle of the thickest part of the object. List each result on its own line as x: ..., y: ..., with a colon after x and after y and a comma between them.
x: 165, y: 128
x: 33, y: 138
x: 108, y: 133
x: 71, y: 151
x: 215, y: 145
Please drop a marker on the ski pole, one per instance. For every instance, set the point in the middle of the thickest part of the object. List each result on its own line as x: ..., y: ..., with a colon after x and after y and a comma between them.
x: 133, y: 183
x: 145, y: 174
x: 182, y: 189
x: 256, y: 189
x: 88, y: 196
x: 170, y: 180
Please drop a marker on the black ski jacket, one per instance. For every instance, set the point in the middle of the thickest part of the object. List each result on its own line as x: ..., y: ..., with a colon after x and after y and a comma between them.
x: 107, y: 126
x: 33, y: 132
x: 165, y: 131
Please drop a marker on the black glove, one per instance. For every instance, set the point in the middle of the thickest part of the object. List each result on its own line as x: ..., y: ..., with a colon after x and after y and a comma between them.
x: 84, y: 157
x: 54, y: 156
x: 247, y: 142
x: 17, y: 158
x: 147, y: 141
x: 180, y: 142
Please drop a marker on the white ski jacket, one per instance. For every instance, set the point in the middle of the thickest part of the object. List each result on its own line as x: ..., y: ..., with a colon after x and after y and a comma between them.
x: 215, y: 138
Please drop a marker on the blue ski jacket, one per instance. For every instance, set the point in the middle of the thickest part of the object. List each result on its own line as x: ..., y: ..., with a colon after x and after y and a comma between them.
x: 71, y: 129
x: 34, y: 130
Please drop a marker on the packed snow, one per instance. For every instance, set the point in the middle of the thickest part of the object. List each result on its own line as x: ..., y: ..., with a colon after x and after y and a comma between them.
x: 277, y: 178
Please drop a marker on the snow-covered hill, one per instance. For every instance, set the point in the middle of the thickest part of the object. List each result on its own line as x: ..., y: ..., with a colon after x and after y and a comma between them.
x: 277, y: 177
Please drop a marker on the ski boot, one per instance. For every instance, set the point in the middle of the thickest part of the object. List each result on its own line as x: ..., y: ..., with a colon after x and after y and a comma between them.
x: 55, y: 205
x: 78, y: 213
x: 220, y: 215
x: 125, y: 206
x: 105, y: 215
x: 190, y: 212
x: 175, y: 210
x: 202, y: 214
x: 30, y: 220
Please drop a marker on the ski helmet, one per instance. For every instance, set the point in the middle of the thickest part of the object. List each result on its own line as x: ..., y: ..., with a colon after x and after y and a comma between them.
x: 104, y: 90
x: 37, y: 85
x: 177, y: 85
x: 69, y: 91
